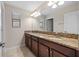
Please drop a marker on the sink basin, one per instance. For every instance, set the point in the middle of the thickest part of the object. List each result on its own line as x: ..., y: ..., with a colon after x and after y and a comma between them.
x: 56, y: 38
x: 40, y: 36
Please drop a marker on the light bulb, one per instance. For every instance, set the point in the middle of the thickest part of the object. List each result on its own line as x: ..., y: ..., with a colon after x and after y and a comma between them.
x: 50, y: 3
x: 54, y: 6
x: 61, y: 3
x: 35, y: 14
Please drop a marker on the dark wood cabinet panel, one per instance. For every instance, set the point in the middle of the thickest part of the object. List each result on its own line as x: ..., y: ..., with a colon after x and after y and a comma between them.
x: 43, y: 51
x: 45, y: 42
x: 35, y: 47
x: 56, y: 54
x: 28, y: 40
x: 35, y: 38
x: 77, y: 53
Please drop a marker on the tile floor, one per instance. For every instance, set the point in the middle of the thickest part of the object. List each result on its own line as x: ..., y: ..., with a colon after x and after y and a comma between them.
x: 20, y: 52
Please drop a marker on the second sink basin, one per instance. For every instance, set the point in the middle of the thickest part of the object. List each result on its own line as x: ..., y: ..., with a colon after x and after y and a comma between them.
x: 56, y: 38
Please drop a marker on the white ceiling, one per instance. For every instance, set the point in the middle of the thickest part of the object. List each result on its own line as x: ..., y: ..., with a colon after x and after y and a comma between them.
x: 33, y: 5
x: 26, y: 5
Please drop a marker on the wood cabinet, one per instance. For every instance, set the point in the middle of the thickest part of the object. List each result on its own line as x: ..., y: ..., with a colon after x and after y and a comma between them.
x: 44, y: 51
x: 35, y: 45
x: 44, y: 48
x: 54, y: 53
x: 28, y: 40
x: 77, y: 53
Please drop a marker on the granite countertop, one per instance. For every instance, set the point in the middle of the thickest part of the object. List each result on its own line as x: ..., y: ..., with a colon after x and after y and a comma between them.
x: 69, y: 42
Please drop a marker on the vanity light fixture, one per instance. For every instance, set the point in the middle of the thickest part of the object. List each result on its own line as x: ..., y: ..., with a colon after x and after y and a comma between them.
x: 50, y: 3
x: 55, y: 1
x: 54, y: 6
x: 35, y: 14
x: 60, y: 2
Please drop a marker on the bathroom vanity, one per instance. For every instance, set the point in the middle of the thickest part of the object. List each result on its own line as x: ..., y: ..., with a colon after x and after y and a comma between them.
x: 44, y: 45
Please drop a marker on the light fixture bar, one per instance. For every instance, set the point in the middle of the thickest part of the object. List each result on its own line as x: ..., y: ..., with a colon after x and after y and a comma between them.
x: 35, y: 14
x: 50, y: 3
x: 60, y: 2
x: 54, y: 6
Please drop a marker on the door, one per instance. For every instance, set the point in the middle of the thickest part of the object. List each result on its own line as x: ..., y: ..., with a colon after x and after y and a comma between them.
x: 49, y: 25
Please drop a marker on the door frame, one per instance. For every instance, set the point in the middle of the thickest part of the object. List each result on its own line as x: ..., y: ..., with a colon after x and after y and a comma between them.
x: 3, y: 27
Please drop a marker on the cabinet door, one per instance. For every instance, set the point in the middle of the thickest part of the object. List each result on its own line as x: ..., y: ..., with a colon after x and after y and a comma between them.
x: 77, y: 53
x: 35, y: 47
x: 29, y: 42
x: 43, y: 50
x: 26, y: 40
x: 55, y: 54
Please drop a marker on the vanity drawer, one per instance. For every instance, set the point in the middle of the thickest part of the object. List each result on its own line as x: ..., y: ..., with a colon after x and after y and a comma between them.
x: 45, y: 42
x: 28, y: 35
x: 34, y: 38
